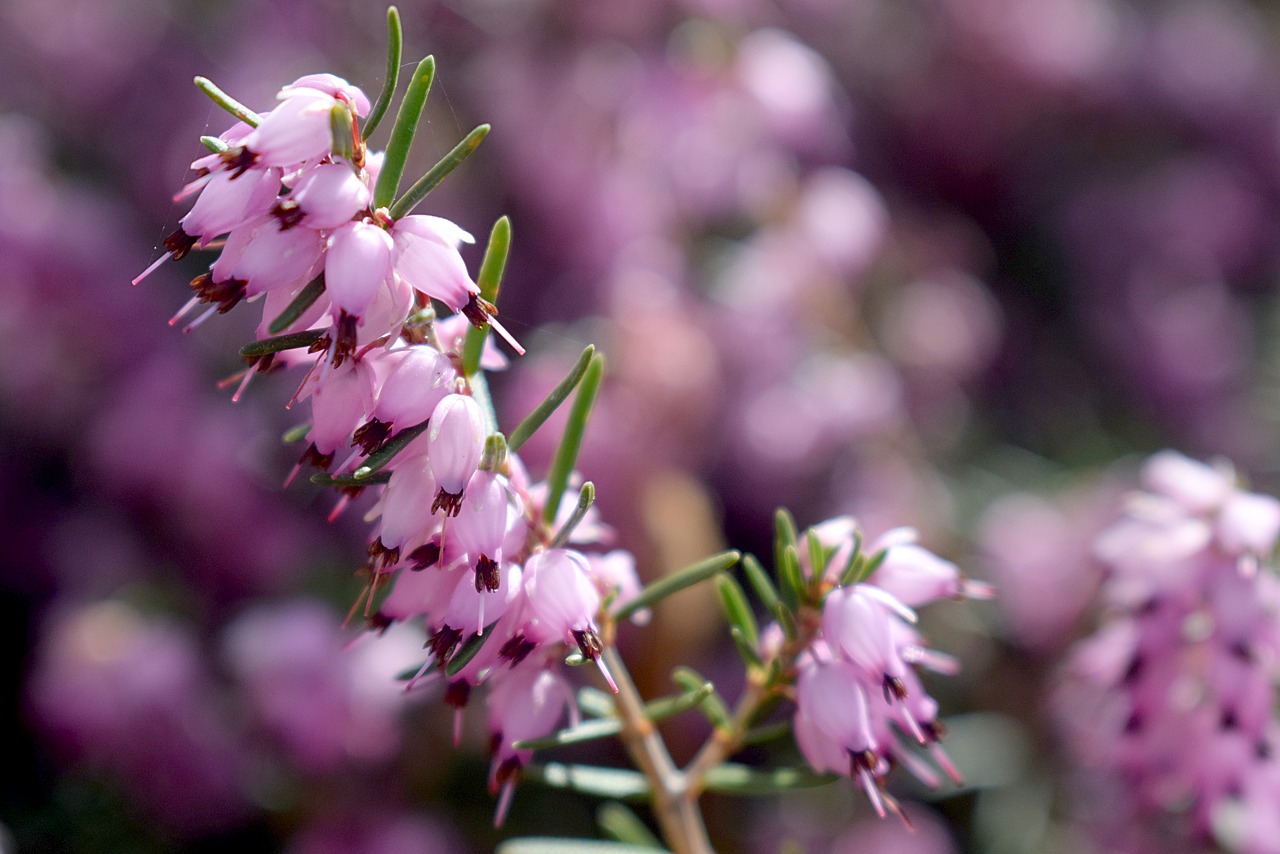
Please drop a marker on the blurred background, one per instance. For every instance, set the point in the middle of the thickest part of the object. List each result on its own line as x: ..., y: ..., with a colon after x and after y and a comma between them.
x: 951, y: 264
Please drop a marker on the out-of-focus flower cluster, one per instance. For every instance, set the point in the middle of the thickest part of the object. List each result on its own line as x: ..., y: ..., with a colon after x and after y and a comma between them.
x: 1172, y: 702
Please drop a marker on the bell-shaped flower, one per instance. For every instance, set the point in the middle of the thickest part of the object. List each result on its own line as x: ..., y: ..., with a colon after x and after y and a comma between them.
x: 332, y: 85
x: 478, y: 532
x: 455, y: 442
x: 295, y: 131
x: 857, y: 623
x: 356, y: 265
x: 326, y: 196
x: 561, y: 601
x: 427, y: 258
x: 525, y: 703
x: 226, y: 203
x: 916, y: 576
x: 421, y: 593
x: 1249, y: 524
x: 1196, y: 486
x: 469, y: 611
x: 266, y: 258
x: 419, y: 378
x: 339, y: 401
x: 405, y: 524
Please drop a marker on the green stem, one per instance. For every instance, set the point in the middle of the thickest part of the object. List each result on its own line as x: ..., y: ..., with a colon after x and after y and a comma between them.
x: 226, y: 102
x: 428, y: 182
x: 403, y: 132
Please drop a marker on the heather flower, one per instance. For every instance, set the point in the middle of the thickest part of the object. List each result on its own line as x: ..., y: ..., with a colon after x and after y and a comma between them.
x: 1175, y: 694
x: 356, y: 264
x: 455, y: 441
x: 525, y: 702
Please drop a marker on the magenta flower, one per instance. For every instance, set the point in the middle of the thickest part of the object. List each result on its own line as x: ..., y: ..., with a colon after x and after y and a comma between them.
x: 455, y: 442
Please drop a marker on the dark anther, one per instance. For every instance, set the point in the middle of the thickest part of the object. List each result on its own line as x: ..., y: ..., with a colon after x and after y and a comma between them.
x: 487, y: 577
x: 225, y: 294
x: 933, y: 731
x: 372, y: 434
x: 179, y: 244
x: 312, y: 456
x: 478, y: 311
x: 345, y: 346
x: 424, y: 556
x: 517, y: 649
x: 382, y: 555
x: 450, y: 502
x: 1228, y: 719
x: 379, y: 622
x: 287, y: 212
x: 457, y: 693
x: 1133, y: 724
x: 894, y: 688
x: 508, y: 772
x: 444, y: 642
x: 238, y: 160
x: 588, y: 642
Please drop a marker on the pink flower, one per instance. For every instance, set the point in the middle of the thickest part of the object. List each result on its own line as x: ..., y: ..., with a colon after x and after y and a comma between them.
x: 455, y: 441
x: 427, y: 258
x: 525, y: 703
x: 356, y: 265
x: 326, y: 196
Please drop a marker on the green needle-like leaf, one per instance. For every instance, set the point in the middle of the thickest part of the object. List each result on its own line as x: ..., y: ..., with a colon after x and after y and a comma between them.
x: 596, y: 703
x: 323, y: 478
x: 278, y: 343
x: 428, y: 182
x: 586, y: 497
x: 733, y: 779
x: 340, y: 129
x: 468, y: 650
x: 621, y: 824
x: 784, y: 535
x: 736, y: 609
x: 397, y: 443
x: 296, y: 433
x: 677, y: 581
x: 791, y: 578
x: 299, y: 304
x: 592, y: 730
x: 768, y: 732
x: 403, y: 132
x: 712, y: 706
x: 746, y: 650
x: 226, y: 102
x: 395, y: 47
x: 817, y: 553
x: 849, y: 575
x: 489, y: 280
x: 768, y: 593
x: 551, y: 845
x: 571, y: 441
x: 535, y: 419
x: 214, y: 144
x: 613, y: 783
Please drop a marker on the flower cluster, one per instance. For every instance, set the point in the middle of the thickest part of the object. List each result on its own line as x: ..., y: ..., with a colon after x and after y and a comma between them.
x: 857, y: 686
x: 474, y: 550
x: 1175, y: 694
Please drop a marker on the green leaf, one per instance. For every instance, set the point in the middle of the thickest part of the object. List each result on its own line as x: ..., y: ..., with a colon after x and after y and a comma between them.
x: 323, y: 478
x: 428, y: 182
x: 767, y: 732
x: 277, y: 343
x: 571, y: 441
x: 586, y: 497
x: 731, y: 778
x: 746, y: 650
x: 340, y: 128
x: 551, y: 403
x: 214, y: 144
x: 666, y: 707
x: 403, y: 132
x: 468, y: 650
x: 296, y: 433
x: 590, y: 730
x: 817, y: 554
x: 551, y: 845
x: 395, y: 46
x: 489, y: 280
x: 385, y: 454
x: 596, y: 703
x: 620, y: 823
x: 768, y: 593
x: 494, y: 455
x: 849, y: 575
x: 226, y: 102
x: 614, y: 783
x: 784, y: 534
x: 736, y: 609
x: 299, y: 304
x: 677, y: 581
x: 793, y: 587
x: 712, y: 705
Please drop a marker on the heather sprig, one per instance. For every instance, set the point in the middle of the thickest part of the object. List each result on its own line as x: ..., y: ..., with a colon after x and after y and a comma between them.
x: 513, y: 585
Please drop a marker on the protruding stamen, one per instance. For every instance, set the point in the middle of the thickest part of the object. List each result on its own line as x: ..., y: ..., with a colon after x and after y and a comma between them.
x: 450, y: 502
